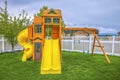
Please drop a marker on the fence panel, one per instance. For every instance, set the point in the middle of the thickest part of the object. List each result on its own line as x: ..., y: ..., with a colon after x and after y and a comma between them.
x: 84, y: 44
x: 6, y: 47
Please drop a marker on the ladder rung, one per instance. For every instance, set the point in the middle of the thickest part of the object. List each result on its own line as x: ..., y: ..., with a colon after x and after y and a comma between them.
x: 98, y: 46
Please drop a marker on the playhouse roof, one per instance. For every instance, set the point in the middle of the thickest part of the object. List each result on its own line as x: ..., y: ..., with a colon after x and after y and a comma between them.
x: 52, y: 13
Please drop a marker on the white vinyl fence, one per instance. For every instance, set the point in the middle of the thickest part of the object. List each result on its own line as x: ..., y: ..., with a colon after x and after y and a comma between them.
x: 6, y: 47
x: 84, y: 44
x: 78, y: 43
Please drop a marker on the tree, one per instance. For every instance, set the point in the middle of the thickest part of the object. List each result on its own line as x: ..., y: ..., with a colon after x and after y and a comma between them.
x: 118, y: 33
x: 3, y: 18
x: 11, y: 26
x: 63, y: 26
x: 41, y: 11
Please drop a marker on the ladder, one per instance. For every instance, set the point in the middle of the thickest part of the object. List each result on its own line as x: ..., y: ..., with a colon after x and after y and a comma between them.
x: 99, y: 45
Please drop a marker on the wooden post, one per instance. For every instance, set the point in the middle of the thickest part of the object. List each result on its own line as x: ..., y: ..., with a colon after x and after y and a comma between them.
x: 93, y: 46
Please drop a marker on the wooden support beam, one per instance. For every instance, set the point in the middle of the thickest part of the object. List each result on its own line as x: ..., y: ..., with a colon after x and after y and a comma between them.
x: 86, y: 30
x: 93, y: 46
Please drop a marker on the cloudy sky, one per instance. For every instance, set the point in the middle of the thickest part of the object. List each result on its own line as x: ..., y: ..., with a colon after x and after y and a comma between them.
x: 101, y: 14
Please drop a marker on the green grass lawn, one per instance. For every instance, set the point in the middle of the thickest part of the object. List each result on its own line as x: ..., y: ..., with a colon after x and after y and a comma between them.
x: 75, y: 66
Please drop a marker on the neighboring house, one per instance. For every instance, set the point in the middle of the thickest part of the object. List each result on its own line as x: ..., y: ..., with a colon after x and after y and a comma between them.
x: 80, y: 33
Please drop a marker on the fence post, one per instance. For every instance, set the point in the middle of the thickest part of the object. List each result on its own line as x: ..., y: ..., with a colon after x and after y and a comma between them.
x: 3, y: 44
x: 113, y: 45
x: 90, y: 45
x: 72, y: 43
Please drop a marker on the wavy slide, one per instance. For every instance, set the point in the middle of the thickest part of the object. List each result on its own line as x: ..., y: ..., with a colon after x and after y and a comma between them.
x: 51, y: 63
x: 23, y: 41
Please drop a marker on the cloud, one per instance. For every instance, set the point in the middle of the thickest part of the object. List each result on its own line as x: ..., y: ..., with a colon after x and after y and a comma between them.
x: 103, y: 14
x: 22, y: 2
x: 105, y: 30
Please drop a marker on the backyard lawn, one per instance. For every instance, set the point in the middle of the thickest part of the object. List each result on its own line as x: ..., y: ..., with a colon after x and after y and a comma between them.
x: 75, y: 66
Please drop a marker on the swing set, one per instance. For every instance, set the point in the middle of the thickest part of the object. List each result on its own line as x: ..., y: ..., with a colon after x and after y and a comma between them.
x: 96, y: 41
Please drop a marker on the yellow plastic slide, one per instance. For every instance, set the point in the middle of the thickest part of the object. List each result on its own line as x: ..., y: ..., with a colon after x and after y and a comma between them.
x: 23, y: 41
x: 51, y: 63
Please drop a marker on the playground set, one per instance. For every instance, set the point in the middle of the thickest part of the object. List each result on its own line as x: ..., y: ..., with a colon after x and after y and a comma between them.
x: 42, y: 41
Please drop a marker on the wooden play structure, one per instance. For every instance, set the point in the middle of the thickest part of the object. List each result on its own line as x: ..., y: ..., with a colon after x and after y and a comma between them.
x: 42, y: 41
x: 45, y: 35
